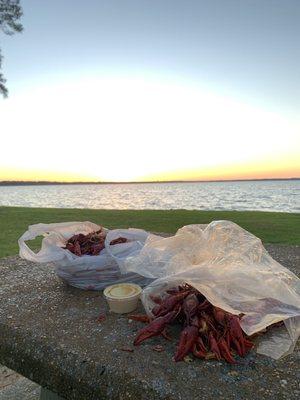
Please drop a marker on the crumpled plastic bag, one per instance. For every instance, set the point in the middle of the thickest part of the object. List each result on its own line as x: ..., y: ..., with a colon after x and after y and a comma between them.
x: 85, y: 272
x: 233, y: 270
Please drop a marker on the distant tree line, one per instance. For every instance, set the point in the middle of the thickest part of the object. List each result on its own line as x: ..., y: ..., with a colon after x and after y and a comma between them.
x: 10, y: 14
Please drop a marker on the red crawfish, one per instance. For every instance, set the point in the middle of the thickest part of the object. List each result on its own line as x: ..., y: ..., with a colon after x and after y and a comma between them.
x: 220, y: 315
x: 119, y: 240
x: 187, y: 340
x: 236, y: 333
x: 155, y: 328
x: 233, y: 331
x: 189, y: 307
x: 184, y: 287
x: 139, y: 317
x: 213, y: 346
x: 206, y: 324
x: 225, y: 352
x: 199, y: 349
x: 204, y: 305
x: 168, y: 303
x: 209, y: 332
x: 155, y: 299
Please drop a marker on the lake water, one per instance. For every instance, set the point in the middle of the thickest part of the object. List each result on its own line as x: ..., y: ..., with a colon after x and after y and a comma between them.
x: 250, y: 195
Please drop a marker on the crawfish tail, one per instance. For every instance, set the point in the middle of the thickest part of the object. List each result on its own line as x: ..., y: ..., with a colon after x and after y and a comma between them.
x: 154, y: 328
x: 225, y: 352
x: 236, y: 332
x: 248, y: 344
x: 199, y: 350
x: 214, y: 346
x: 237, y: 346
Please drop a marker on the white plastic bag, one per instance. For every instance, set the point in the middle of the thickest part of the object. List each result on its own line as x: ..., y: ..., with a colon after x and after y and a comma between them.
x: 230, y: 267
x: 119, y: 252
x: 85, y: 272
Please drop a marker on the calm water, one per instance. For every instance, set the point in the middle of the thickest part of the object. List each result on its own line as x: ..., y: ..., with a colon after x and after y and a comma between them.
x: 251, y: 195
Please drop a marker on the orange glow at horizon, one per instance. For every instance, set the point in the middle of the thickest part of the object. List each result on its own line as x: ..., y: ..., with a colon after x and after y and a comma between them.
x: 282, y: 169
x: 133, y: 130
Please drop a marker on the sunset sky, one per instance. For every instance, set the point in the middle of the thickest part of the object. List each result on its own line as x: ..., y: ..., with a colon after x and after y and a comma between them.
x: 135, y: 90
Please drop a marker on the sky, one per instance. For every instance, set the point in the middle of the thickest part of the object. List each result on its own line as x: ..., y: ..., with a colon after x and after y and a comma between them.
x: 135, y: 90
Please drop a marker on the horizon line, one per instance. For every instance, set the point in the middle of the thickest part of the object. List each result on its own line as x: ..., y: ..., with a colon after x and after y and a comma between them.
x: 23, y: 183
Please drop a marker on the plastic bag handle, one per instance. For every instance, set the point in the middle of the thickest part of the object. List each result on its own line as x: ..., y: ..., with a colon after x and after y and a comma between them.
x: 56, y: 235
x: 42, y: 255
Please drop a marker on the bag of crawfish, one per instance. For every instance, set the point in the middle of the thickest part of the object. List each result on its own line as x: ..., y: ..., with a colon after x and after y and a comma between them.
x: 229, y: 270
x: 85, y: 254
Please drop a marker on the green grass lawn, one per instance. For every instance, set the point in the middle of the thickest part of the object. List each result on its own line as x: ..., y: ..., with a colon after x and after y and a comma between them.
x: 283, y: 228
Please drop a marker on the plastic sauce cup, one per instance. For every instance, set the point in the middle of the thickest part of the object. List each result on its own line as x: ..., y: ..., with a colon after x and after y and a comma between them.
x: 122, y: 298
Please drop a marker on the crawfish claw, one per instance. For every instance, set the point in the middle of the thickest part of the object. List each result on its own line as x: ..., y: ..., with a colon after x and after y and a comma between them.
x: 139, y: 317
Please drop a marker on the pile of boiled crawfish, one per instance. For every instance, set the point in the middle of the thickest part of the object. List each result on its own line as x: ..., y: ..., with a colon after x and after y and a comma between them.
x: 208, y: 332
x: 90, y: 244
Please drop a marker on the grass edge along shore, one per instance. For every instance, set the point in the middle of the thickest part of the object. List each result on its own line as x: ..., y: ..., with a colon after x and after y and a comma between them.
x: 270, y: 227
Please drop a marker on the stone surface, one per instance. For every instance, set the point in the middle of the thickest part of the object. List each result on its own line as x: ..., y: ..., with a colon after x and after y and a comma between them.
x: 7, y: 377
x: 49, y: 333
x: 15, y: 387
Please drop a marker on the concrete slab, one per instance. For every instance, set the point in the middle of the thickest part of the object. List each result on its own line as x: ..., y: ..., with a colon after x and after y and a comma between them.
x: 15, y: 387
x: 49, y: 333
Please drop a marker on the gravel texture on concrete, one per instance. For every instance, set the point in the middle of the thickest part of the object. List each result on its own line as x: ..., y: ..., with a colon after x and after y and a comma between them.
x: 15, y: 387
x: 50, y: 334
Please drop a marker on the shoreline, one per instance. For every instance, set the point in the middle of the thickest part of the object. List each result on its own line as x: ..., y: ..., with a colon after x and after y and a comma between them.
x: 46, y: 183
